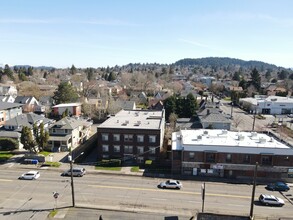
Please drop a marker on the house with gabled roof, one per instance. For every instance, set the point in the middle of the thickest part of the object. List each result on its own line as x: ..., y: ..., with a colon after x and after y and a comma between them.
x: 68, y: 133
x: 29, y: 103
x: 7, y: 90
x: 28, y: 120
x: 9, y: 110
x: 7, y: 98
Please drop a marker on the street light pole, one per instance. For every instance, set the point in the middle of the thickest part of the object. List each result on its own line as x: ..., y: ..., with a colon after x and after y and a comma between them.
x: 253, y: 191
x: 253, y: 120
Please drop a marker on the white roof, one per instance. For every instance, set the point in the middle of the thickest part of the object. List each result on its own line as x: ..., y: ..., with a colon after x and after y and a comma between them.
x: 228, y: 142
x: 67, y: 105
x: 134, y: 119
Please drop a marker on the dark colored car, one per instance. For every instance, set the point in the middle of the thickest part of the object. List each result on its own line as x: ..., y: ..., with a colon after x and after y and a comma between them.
x: 278, y: 186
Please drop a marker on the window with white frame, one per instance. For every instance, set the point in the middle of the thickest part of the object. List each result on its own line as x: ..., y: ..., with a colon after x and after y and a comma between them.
x: 128, y: 149
x: 152, y: 150
x: 116, y: 148
x: 116, y: 137
x: 105, y: 148
x: 152, y: 138
x: 140, y: 150
x: 105, y: 137
x: 128, y: 137
x: 140, y: 138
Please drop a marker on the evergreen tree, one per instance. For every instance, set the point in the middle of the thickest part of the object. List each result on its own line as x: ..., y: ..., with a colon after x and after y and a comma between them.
x: 41, y: 136
x: 236, y: 76
x: 190, y: 106
x: 73, y: 70
x: 255, y: 79
x: 8, y: 72
x: 27, y: 140
x: 65, y: 93
x: 30, y: 71
x: 170, y: 106
x: 111, y: 77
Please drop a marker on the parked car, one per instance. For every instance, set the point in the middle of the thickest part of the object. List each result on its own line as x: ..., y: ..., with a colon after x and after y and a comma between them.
x: 278, y: 186
x: 271, y: 200
x: 170, y: 184
x: 290, y: 116
x: 30, y: 175
x: 77, y: 171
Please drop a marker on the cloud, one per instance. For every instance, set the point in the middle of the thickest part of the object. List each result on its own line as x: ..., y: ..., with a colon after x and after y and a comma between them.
x: 26, y: 21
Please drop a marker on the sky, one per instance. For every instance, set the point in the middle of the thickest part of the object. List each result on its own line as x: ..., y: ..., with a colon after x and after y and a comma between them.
x: 100, y: 33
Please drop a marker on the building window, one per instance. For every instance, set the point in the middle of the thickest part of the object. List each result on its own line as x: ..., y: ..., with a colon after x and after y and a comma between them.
x: 266, y: 160
x: 152, y: 150
x: 105, y: 137
x: 128, y: 137
x: 54, y: 130
x: 105, y: 148
x: 140, y: 160
x: 116, y: 137
x: 152, y: 138
x: 65, y: 131
x: 140, y: 138
x: 140, y: 150
x: 116, y: 148
x: 228, y: 158
x: 210, y: 157
x: 191, y: 155
x: 128, y: 149
x: 246, y: 158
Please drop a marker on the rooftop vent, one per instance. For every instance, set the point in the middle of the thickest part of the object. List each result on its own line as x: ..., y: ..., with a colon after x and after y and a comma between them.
x: 199, y: 137
x: 262, y: 140
x: 205, y: 132
x: 253, y: 134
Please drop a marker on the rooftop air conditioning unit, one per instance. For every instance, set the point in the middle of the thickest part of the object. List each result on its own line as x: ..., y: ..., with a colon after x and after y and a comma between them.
x: 199, y: 137
x: 205, y: 132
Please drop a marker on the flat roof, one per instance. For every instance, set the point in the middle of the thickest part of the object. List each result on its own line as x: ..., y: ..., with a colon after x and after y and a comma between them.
x: 228, y: 141
x: 134, y: 119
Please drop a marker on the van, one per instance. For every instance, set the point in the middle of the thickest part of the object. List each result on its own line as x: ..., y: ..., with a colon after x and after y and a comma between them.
x: 76, y: 171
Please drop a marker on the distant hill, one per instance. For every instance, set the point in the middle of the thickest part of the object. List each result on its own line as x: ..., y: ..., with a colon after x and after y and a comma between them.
x: 36, y: 67
x: 224, y: 61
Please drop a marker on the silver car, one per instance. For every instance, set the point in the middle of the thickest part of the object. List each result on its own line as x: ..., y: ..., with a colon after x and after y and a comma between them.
x: 271, y: 200
x: 170, y: 184
x: 30, y: 175
x: 77, y: 171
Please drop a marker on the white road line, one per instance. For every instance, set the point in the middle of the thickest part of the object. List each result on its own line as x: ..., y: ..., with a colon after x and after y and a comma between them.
x: 193, y: 201
x: 5, y: 180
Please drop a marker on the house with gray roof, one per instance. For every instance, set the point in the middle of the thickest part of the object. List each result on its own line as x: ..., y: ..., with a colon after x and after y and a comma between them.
x: 68, y: 133
x: 9, y: 110
x: 28, y: 120
x: 29, y: 103
x: 214, y: 119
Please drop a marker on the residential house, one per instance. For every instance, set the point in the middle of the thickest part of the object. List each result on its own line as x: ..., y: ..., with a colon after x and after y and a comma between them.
x: 74, y: 109
x: 139, y: 97
x: 29, y: 103
x: 68, y: 133
x: 8, y: 90
x: 159, y: 106
x: 29, y: 119
x: 9, y: 110
x: 222, y: 153
x: 212, y: 118
x: 7, y: 98
x: 126, y: 105
x: 133, y: 136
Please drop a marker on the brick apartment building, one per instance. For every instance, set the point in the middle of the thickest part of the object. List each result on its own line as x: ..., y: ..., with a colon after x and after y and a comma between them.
x: 222, y: 153
x: 135, y: 136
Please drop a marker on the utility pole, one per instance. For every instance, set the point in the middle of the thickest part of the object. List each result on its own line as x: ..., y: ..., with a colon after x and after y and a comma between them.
x: 253, y: 191
x: 70, y: 158
x: 253, y: 120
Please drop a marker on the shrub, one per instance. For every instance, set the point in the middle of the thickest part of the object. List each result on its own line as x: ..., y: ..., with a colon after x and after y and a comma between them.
x: 110, y: 163
x: 8, y: 144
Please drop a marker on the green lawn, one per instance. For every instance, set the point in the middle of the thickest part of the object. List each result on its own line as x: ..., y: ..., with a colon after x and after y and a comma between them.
x: 108, y: 168
x: 227, y: 99
x: 5, y: 155
x: 53, y: 213
x: 134, y: 169
x: 52, y: 164
x: 45, y: 153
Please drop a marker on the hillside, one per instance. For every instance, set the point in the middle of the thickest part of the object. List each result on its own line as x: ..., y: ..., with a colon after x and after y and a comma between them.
x: 217, y: 62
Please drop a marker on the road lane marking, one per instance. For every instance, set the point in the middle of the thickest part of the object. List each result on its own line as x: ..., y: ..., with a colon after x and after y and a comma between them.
x: 168, y: 191
x: 5, y: 180
x: 159, y: 199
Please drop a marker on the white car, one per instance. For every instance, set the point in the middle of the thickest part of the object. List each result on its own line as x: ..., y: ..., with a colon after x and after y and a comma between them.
x: 170, y: 184
x: 271, y: 200
x: 30, y: 175
x: 77, y: 171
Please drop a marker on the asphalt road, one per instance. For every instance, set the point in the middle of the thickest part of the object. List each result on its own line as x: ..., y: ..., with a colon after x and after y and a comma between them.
x: 125, y: 193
